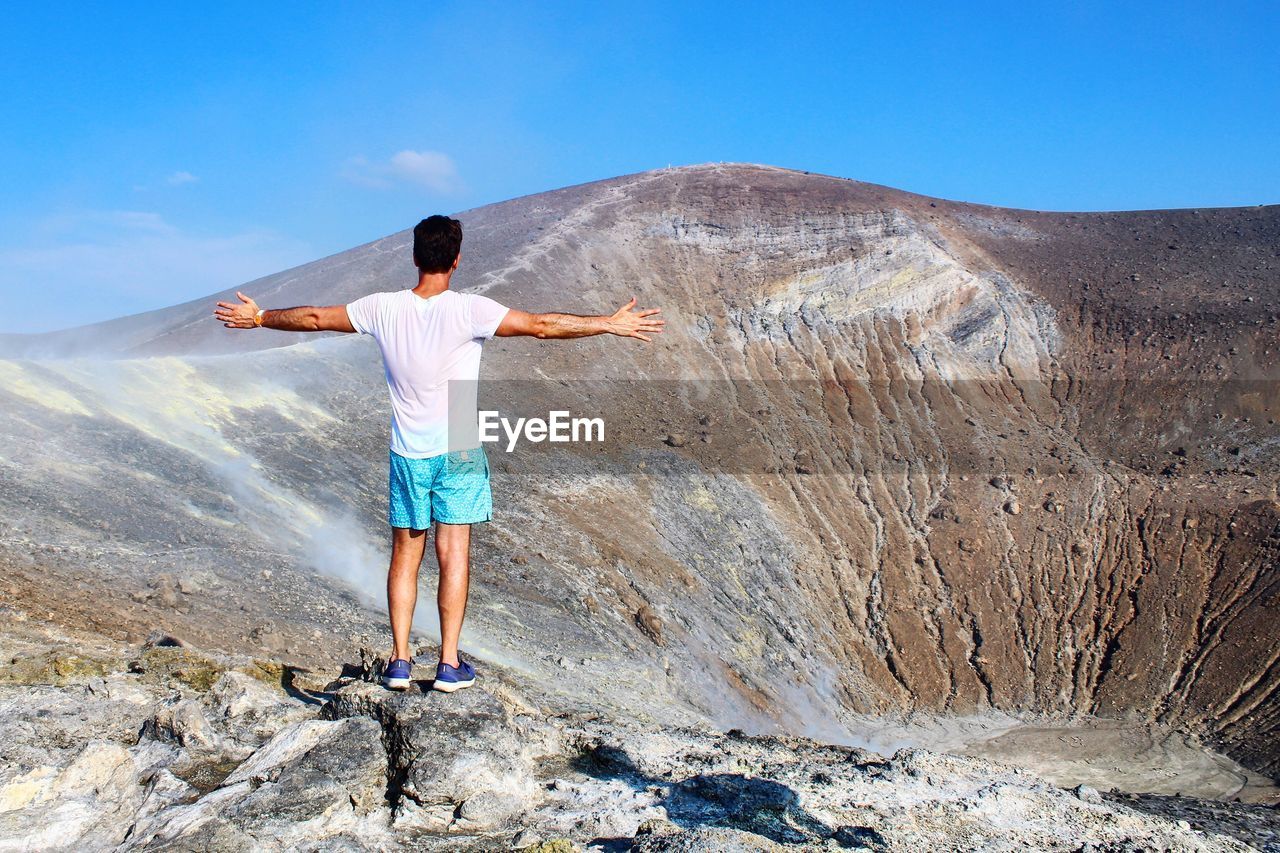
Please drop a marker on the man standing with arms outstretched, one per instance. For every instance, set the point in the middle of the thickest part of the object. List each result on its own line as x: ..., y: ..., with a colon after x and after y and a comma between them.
x: 430, y: 336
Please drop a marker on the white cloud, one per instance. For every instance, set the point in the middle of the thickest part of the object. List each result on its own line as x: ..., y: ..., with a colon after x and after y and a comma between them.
x: 92, y: 265
x: 177, y: 179
x: 97, y: 225
x: 431, y: 170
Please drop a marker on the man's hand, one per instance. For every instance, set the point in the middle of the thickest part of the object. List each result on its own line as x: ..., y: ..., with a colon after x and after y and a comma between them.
x: 240, y: 316
x: 633, y: 324
x: 305, y: 318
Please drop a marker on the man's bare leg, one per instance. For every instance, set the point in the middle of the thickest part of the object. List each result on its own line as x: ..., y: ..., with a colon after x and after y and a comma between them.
x: 453, y: 550
x: 407, y: 548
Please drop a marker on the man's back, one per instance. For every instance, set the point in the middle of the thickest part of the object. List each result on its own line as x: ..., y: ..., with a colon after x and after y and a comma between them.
x: 431, y: 339
x: 426, y: 343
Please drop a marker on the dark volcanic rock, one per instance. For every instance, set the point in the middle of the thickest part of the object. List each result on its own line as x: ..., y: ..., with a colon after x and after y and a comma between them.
x: 346, y: 768
x: 454, y: 757
x: 314, y: 779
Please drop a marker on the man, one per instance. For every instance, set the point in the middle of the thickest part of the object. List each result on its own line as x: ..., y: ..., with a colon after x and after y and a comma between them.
x: 430, y: 335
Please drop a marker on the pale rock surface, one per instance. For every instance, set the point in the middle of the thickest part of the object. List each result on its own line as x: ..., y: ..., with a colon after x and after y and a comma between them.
x: 363, y: 768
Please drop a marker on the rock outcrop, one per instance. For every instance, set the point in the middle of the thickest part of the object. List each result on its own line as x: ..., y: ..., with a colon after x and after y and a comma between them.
x: 362, y: 768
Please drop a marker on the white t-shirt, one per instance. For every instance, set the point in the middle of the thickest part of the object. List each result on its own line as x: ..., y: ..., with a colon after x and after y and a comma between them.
x: 426, y: 344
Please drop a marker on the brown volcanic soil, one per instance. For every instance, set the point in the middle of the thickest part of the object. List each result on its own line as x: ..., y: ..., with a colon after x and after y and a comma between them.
x: 947, y: 458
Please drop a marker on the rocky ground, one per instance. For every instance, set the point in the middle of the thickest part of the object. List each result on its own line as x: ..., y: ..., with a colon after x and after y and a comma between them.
x: 160, y: 746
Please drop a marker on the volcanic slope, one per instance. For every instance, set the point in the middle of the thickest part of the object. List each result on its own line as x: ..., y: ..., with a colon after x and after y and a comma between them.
x: 893, y: 454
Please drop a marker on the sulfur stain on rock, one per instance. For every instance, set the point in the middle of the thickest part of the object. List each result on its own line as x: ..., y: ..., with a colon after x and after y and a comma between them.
x: 59, y: 666
x: 185, y: 666
x: 649, y: 623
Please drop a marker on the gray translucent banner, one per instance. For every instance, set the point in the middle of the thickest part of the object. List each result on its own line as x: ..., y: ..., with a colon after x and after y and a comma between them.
x: 820, y: 428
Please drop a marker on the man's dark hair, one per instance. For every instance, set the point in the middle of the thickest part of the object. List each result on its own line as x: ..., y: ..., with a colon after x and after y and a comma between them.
x: 436, y: 243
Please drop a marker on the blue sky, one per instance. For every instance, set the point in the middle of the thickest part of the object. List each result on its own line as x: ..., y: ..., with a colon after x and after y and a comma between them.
x: 158, y: 152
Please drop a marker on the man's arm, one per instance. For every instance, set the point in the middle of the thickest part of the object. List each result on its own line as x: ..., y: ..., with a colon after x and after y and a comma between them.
x: 624, y: 322
x: 307, y: 318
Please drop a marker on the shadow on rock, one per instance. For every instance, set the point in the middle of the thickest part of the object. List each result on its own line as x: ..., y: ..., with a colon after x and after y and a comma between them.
x: 722, y: 801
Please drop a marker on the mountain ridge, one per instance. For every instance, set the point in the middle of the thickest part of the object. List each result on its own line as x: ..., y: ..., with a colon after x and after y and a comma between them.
x: 73, y: 340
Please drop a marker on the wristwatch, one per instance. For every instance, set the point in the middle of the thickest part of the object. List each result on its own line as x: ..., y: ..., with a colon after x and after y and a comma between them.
x: 257, y: 318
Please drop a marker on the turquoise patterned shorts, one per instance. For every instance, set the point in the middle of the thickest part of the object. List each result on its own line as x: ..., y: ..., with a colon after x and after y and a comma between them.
x: 452, y: 488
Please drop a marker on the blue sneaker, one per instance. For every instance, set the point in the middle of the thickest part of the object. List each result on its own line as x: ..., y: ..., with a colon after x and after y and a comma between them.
x: 451, y: 678
x: 396, y: 675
